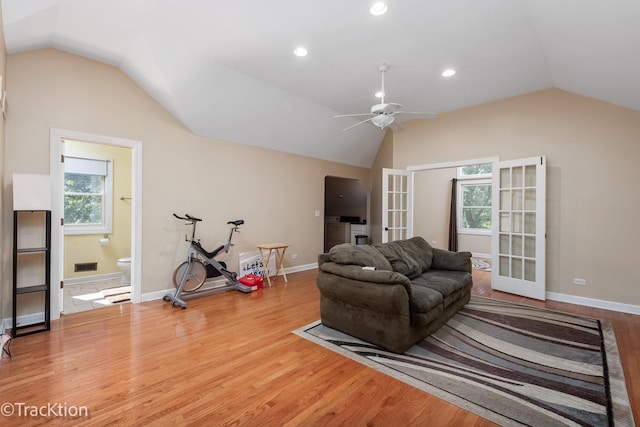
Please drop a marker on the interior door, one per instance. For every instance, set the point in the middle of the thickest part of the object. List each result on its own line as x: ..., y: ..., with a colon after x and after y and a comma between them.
x: 519, y: 227
x: 397, y: 204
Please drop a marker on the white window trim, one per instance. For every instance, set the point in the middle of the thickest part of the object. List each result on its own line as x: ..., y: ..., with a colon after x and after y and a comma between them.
x: 107, y: 226
x: 473, y: 180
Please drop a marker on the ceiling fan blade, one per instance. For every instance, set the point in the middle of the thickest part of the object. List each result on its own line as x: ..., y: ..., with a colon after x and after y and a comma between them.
x: 392, y: 107
x: 353, y: 115
x: 395, y: 126
x: 359, y: 123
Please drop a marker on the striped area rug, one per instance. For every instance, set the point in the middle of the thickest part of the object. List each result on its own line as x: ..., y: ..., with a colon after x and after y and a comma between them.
x: 512, y: 364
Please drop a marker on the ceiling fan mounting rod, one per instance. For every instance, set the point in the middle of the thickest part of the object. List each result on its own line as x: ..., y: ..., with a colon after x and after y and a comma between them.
x: 383, y: 67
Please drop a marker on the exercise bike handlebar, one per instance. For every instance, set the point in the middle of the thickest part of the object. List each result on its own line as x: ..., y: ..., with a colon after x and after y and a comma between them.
x: 188, y: 217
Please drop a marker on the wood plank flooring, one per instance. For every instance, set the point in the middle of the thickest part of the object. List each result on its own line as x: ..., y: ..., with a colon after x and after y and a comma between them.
x: 231, y: 359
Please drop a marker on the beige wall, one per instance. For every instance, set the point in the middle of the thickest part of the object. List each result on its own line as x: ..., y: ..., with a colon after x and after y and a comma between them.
x: 3, y: 72
x: 592, y: 153
x: 275, y: 193
x: 384, y: 159
x: 81, y: 248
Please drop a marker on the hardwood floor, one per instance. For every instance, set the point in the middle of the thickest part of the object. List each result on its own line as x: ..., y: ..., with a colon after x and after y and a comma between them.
x: 231, y: 359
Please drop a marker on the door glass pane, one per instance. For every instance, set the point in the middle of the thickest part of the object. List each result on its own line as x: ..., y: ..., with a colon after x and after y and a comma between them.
x: 530, y: 270
x: 504, y: 266
x: 530, y: 176
x: 530, y: 246
x: 516, y: 224
x: 403, y: 201
x: 516, y: 268
x: 504, y: 244
x: 504, y: 222
x: 530, y: 223
x: 505, y: 178
x: 518, y: 180
x: 403, y: 186
x: 390, y: 223
x: 516, y: 245
x: 516, y: 200
x: 505, y: 200
x: 390, y: 181
x: 530, y: 199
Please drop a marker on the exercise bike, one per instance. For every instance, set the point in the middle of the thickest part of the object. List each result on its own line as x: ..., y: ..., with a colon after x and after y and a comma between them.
x: 200, y: 265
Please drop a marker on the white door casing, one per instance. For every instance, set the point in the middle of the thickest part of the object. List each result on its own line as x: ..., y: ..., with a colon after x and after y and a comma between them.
x: 519, y: 227
x: 56, y: 167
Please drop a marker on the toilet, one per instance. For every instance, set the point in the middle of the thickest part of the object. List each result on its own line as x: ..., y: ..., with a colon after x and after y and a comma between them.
x: 124, y: 264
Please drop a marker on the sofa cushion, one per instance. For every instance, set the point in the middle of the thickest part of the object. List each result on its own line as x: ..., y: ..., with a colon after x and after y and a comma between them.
x: 409, y: 257
x: 449, y: 284
x: 362, y: 255
x: 424, y: 305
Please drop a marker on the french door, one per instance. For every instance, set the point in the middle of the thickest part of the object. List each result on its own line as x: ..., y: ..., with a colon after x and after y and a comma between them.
x: 519, y: 227
x: 397, y: 204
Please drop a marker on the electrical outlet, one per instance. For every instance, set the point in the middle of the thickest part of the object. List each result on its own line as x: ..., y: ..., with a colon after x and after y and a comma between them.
x: 317, y: 212
x: 294, y: 256
x: 581, y: 282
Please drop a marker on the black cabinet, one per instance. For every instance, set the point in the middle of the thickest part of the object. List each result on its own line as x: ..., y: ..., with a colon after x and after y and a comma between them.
x: 31, y: 271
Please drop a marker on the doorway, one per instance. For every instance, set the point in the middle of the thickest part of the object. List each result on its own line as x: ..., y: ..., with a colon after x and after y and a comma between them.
x: 345, y: 209
x: 518, y: 228
x: 122, y: 240
x: 97, y: 235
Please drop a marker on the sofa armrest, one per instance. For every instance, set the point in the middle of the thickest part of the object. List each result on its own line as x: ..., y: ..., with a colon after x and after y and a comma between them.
x: 448, y: 260
x: 356, y: 272
x: 390, y: 298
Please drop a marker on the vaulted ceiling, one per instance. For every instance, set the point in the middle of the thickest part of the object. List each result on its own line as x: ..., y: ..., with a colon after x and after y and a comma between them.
x: 226, y: 68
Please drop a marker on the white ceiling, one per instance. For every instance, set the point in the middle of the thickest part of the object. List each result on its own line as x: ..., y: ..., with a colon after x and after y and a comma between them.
x: 226, y: 68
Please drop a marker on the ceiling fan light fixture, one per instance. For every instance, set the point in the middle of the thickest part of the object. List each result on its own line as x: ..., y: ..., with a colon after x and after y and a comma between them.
x: 382, y: 120
x: 379, y: 94
x: 300, y: 51
x: 378, y: 8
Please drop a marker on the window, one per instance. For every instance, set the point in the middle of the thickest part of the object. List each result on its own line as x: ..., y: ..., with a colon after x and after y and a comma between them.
x: 474, y: 199
x: 87, y: 195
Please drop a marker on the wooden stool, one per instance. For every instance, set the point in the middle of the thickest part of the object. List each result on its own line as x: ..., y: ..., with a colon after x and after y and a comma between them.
x: 279, y: 249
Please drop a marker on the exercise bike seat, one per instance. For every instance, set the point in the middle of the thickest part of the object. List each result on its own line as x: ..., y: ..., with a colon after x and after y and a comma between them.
x: 236, y: 222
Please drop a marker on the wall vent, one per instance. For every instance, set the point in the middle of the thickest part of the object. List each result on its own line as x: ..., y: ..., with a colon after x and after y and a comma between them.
x: 86, y: 266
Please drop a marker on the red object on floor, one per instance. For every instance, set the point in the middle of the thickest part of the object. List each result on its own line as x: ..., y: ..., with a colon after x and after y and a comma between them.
x: 251, y: 280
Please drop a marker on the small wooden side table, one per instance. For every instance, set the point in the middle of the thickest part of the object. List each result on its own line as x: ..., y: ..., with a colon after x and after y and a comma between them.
x: 270, y: 248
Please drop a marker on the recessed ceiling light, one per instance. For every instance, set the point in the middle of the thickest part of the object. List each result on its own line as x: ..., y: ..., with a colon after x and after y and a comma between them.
x: 378, y: 8
x: 448, y: 73
x: 300, y: 51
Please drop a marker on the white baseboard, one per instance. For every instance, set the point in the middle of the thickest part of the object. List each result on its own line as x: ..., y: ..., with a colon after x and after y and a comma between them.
x: 480, y: 255
x: 26, y: 319
x: 596, y: 303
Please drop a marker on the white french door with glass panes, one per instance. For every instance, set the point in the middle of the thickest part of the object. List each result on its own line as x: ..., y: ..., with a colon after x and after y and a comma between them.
x: 397, y: 204
x: 519, y: 227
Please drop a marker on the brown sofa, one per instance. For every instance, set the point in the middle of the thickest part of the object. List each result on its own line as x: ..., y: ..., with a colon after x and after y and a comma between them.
x: 392, y: 294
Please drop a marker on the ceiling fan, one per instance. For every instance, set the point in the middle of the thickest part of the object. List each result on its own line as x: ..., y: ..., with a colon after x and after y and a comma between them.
x: 383, y: 115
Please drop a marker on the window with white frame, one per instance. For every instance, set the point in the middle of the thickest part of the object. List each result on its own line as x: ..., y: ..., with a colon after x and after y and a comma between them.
x: 88, y: 195
x: 474, y: 199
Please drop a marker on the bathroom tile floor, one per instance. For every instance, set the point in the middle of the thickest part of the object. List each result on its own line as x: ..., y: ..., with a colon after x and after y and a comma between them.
x: 87, y: 296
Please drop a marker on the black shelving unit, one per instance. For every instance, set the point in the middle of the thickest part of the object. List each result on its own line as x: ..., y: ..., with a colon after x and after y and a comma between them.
x: 40, y: 221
